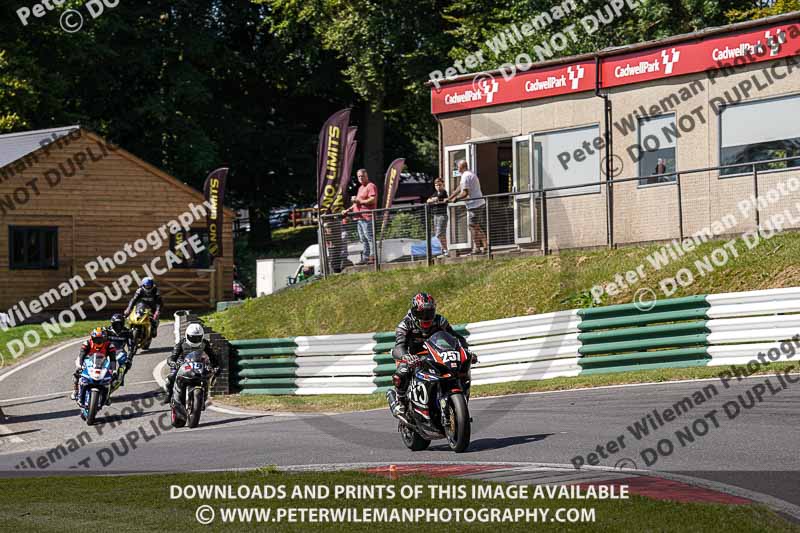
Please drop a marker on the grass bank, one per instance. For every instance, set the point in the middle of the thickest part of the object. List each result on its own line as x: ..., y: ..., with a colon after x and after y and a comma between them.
x: 23, y: 341
x: 54, y: 505
x: 338, y: 403
x: 483, y: 290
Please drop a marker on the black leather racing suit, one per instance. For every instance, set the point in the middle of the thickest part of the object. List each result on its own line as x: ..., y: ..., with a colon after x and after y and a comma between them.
x: 175, y: 360
x: 153, y: 301
x: 409, y: 339
x: 123, y: 342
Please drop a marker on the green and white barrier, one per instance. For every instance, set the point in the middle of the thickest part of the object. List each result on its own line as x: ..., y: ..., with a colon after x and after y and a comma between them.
x: 703, y: 330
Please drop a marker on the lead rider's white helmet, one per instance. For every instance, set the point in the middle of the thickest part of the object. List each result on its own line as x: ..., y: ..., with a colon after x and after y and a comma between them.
x: 194, y: 335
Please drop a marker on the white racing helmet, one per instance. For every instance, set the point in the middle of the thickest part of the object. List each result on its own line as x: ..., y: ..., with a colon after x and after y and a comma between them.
x: 194, y: 335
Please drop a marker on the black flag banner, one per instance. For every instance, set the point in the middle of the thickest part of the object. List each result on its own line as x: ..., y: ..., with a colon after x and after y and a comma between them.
x: 343, y: 194
x: 392, y: 181
x: 214, y: 190
x: 330, y: 159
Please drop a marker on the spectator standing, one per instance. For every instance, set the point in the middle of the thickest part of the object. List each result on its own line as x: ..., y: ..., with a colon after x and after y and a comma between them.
x: 470, y: 189
x: 366, y: 199
x: 439, y: 211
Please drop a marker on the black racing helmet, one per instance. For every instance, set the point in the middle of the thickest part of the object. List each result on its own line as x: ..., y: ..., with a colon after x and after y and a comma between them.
x: 423, y: 310
x: 117, y: 322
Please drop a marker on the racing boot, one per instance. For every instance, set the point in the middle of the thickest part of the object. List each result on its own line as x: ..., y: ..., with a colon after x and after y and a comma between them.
x: 75, y: 377
x: 396, y: 403
x: 125, y: 374
x: 168, y: 390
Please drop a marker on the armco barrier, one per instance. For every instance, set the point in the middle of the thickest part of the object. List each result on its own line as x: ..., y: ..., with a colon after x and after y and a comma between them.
x: 703, y: 330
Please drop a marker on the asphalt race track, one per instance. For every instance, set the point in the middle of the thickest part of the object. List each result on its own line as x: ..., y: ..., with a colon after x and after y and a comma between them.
x: 42, y: 434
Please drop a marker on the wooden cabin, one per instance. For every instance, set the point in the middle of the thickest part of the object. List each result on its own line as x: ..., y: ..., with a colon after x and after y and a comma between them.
x: 68, y: 197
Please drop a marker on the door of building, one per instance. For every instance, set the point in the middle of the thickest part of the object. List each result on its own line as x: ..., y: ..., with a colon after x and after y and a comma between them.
x: 522, y: 173
x: 458, y: 236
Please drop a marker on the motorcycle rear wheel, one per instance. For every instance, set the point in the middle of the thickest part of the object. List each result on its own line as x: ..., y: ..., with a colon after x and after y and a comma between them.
x: 458, y: 431
x: 412, y: 439
x: 195, y: 407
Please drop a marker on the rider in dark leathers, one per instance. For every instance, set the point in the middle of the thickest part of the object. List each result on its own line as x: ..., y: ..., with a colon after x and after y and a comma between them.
x: 149, y: 295
x: 122, y: 339
x: 418, y: 325
x: 192, y: 342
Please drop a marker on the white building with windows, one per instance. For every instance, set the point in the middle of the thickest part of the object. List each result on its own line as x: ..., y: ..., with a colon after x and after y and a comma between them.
x: 674, y: 111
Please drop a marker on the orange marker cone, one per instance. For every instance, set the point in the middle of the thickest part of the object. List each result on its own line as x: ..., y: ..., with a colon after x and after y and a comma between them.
x: 393, y: 472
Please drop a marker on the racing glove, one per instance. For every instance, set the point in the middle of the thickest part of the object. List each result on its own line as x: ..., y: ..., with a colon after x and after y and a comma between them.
x: 411, y: 360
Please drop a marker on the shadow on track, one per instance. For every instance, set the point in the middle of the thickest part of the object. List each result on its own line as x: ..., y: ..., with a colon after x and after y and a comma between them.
x: 17, y: 433
x: 153, y: 351
x: 496, y: 443
x: 158, y: 394
x: 227, y: 421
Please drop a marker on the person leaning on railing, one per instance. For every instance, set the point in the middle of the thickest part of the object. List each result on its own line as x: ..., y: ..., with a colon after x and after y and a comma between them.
x: 470, y: 188
x: 366, y: 199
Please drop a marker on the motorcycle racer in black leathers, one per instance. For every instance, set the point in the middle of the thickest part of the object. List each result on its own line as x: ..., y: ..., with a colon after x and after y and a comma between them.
x: 193, y: 342
x: 418, y: 325
x: 149, y: 295
x: 122, y: 339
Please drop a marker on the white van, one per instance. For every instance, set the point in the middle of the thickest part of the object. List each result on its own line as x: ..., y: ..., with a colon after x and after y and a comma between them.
x: 391, y: 250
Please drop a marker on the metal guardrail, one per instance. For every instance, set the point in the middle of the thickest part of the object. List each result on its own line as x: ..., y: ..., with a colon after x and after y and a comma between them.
x: 706, y: 330
x: 526, y: 221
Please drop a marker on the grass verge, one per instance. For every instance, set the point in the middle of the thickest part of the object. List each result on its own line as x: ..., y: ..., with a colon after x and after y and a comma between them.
x: 337, y: 403
x: 54, y: 505
x: 18, y: 343
x: 484, y: 290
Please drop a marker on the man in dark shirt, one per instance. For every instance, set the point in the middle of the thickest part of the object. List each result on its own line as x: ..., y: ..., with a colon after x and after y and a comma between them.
x: 439, y: 211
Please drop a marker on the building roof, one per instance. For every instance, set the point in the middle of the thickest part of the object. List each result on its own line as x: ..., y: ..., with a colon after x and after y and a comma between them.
x: 619, y: 50
x: 14, y: 146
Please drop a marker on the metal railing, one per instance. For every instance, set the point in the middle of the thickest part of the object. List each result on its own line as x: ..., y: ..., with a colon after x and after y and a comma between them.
x: 539, y: 221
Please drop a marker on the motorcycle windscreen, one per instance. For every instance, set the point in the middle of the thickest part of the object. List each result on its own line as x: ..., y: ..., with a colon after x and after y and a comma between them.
x: 98, y: 360
x: 444, y: 342
x: 196, y: 357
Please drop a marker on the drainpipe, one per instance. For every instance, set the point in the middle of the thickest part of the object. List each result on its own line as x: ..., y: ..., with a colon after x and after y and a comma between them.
x: 440, y: 151
x: 609, y: 164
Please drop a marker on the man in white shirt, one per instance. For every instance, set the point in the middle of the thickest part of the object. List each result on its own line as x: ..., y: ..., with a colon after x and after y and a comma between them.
x: 470, y: 188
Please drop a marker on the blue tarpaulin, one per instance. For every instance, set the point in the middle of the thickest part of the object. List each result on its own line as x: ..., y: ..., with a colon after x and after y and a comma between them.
x: 418, y: 249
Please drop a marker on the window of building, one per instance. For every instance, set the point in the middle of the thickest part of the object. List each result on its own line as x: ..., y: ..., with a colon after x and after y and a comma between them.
x: 760, y: 131
x: 656, y: 149
x: 563, y: 160
x: 190, y: 258
x: 32, y: 247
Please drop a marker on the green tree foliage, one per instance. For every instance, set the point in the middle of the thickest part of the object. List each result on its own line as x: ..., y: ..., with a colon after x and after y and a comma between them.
x: 189, y: 85
x: 489, y: 26
x: 763, y: 9
x: 13, y: 92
